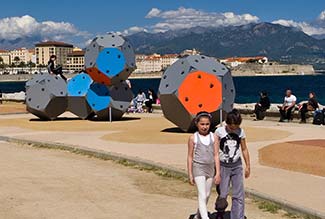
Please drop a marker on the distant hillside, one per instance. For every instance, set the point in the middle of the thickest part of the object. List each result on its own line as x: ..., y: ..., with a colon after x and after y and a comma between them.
x: 280, y: 43
x: 28, y: 42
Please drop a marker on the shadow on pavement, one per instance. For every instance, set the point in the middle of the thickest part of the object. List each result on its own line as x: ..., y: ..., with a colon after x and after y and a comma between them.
x: 173, y: 130
x: 214, y: 215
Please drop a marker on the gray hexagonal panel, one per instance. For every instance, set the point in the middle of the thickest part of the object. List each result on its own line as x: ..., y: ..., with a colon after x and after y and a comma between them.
x: 121, y: 96
x: 38, y: 97
x: 80, y: 107
x: 91, y: 54
x: 174, y: 76
x: 228, y: 92
x: 174, y: 111
x: 36, y: 79
x: 207, y: 64
x: 110, y: 40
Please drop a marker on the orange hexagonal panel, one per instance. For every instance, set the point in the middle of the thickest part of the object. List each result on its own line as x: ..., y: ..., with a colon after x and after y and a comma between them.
x: 200, y: 91
x: 97, y: 76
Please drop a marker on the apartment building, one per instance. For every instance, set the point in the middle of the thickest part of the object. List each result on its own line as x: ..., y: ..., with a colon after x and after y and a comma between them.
x: 44, y: 50
x: 5, y: 57
x: 76, y: 60
x: 22, y: 54
x: 168, y: 59
x: 154, y: 62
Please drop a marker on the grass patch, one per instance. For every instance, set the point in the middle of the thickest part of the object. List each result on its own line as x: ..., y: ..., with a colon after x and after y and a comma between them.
x: 291, y: 215
x: 269, y: 207
x: 149, y: 168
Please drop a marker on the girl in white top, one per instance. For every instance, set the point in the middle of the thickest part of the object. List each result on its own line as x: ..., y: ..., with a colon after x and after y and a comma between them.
x: 203, y: 161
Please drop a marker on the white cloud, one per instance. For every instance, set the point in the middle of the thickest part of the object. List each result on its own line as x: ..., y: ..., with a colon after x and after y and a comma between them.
x: 154, y: 12
x: 134, y: 29
x: 321, y: 16
x: 27, y: 26
x: 308, y: 28
x: 189, y: 17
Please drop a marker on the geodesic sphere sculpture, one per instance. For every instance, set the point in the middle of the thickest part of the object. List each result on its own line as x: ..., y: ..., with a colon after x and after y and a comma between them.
x: 192, y: 84
x: 46, y: 96
x: 109, y: 59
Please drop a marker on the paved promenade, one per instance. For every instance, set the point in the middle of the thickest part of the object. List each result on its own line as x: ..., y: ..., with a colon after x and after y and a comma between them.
x: 299, y: 189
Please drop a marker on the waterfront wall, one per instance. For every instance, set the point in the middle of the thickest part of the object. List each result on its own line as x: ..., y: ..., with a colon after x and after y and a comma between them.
x: 241, y: 70
x: 272, y: 69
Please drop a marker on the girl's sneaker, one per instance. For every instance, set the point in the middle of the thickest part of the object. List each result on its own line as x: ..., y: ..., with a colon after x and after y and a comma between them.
x: 219, y: 215
x: 197, y: 216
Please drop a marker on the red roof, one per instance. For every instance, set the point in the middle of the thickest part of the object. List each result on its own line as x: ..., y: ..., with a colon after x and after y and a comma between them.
x: 244, y: 59
x: 53, y: 43
x: 170, y: 56
x: 77, y: 53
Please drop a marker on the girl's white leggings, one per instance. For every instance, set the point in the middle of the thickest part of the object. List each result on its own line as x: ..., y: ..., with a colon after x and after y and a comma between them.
x: 204, y: 186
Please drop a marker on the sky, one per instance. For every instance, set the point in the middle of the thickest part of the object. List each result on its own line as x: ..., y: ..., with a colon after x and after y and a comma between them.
x: 79, y: 21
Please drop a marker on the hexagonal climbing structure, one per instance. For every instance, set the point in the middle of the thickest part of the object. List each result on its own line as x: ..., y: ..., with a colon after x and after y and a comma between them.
x: 192, y: 84
x: 46, y: 96
x: 109, y: 59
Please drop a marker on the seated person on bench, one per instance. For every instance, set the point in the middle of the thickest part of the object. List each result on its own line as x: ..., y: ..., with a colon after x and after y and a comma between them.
x: 287, y: 106
x: 263, y: 105
x: 311, y: 105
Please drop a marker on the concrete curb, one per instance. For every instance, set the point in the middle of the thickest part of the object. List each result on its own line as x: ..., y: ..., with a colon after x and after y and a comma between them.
x: 285, y: 205
x: 6, y: 114
x: 168, y: 171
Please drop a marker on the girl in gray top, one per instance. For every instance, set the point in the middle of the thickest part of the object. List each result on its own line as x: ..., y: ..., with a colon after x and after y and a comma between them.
x: 203, y: 161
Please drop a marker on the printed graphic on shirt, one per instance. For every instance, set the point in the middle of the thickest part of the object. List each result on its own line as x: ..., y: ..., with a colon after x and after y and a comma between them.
x: 229, y: 148
x: 229, y: 151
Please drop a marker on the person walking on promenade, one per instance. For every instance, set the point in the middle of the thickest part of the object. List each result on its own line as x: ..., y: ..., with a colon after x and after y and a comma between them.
x: 55, y: 70
x: 311, y: 105
x: 203, y: 161
x: 262, y: 105
x: 287, y: 106
x: 232, y: 140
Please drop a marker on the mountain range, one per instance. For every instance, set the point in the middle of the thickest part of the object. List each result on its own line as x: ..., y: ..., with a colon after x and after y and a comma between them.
x: 28, y: 42
x: 277, y: 42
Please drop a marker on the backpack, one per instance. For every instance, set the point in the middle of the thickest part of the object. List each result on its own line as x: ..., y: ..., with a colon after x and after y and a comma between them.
x: 319, y: 117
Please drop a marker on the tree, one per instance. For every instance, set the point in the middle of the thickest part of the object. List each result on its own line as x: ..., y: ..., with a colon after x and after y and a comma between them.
x: 2, y: 66
x: 16, y: 60
x: 31, y: 64
x: 22, y: 64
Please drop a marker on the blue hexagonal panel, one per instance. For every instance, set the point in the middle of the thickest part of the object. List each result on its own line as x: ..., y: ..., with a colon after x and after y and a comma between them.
x: 110, y: 61
x: 98, y: 97
x: 78, y: 85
